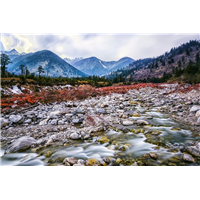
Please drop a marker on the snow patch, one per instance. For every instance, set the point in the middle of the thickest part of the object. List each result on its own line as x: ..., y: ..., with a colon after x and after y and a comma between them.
x: 102, y: 64
x: 15, y: 90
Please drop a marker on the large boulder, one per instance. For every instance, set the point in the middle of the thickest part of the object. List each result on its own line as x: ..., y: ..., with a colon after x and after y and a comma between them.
x: 4, y: 122
x: 194, y: 150
x: 16, y: 118
x: 95, y: 123
x: 94, y: 120
x: 21, y: 144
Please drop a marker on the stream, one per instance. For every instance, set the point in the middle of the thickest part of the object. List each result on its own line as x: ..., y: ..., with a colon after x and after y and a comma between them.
x: 164, y: 137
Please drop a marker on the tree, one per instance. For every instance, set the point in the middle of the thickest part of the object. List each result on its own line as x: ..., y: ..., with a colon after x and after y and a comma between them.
x: 5, y: 60
x: 197, y: 57
x: 27, y: 72
x: 40, y: 70
x: 22, y: 68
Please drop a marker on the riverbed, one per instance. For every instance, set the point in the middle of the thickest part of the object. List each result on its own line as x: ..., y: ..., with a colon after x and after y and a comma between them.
x: 131, y: 131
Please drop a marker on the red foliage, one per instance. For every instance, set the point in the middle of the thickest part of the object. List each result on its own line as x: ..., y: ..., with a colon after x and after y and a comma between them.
x: 81, y: 92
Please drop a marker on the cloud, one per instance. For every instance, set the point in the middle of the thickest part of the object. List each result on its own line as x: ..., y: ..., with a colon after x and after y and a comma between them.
x: 104, y: 46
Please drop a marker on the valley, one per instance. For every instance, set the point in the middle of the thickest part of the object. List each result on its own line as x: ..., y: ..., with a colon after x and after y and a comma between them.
x: 90, y: 112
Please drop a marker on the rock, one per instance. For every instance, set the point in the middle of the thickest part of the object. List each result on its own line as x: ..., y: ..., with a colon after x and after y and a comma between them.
x: 119, y: 160
x: 194, y: 150
x: 91, y: 162
x: 48, y: 154
x: 68, y: 115
x: 94, y: 120
x: 101, y: 111
x: 103, y: 140
x: 188, y: 158
x: 4, y: 122
x: 76, y: 121
x: 195, y: 108
x: 16, y: 118
x: 79, y: 110
x: 127, y: 123
x: 198, y: 113
x: 74, y: 136
x: 81, y: 162
x: 43, y: 122
x: 28, y: 121
x: 54, y: 122
x: 198, y: 120
x: 153, y: 155
x: 70, y: 160
x: 54, y: 113
x: 61, y: 122
x: 142, y: 122
x: 21, y: 144
x: 66, y: 163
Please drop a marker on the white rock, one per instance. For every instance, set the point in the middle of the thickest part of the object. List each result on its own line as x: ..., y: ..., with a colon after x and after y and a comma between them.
x: 74, y: 136
x: 127, y: 123
x: 195, y: 108
x: 15, y: 118
x: 43, y: 122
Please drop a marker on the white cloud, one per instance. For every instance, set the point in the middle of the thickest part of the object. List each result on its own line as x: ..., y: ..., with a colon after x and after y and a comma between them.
x: 104, y: 46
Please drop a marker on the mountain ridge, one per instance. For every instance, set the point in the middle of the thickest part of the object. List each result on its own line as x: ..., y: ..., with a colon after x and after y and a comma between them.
x: 95, y: 66
x: 53, y: 65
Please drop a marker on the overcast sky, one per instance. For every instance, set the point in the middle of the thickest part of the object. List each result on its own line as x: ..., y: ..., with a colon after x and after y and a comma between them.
x: 104, y: 46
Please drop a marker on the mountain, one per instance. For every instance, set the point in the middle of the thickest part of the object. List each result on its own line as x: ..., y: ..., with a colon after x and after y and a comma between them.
x: 13, y: 53
x: 167, y: 64
x: 53, y: 65
x: 95, y: 66
x: 72, y: 61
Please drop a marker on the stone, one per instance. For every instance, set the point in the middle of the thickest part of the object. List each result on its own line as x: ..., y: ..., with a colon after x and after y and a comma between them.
x: 198, y: 113
x: 153, y: 155
x: 142, y: 122
x: 16, y: 118
x: 103, y: 140
x: 127, y: 123
x: 21, y: 144
x: 43, y: 122
x: 94, y: 120
x: 194, y: 150
x: 70, y: 160
x: 91, y: 162
x: 54, y: 122
x: 198, y: 120
x: 4, y: 122
x: 188, y: 158
x: 54, y: 113
x: 76, y: 121
x: 28, y: 121
x: 101, y: 111
x: 119, y: 160
x: 68, y: 115
x: 74, y: 136
x: 195, y: 108
x: 81, y: 162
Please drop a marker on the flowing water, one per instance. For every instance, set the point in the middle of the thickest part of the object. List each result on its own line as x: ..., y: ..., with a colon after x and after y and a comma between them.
x: 129, y: 147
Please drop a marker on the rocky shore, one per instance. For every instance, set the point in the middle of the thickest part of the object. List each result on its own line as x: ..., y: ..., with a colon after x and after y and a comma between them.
x: 65, y: 122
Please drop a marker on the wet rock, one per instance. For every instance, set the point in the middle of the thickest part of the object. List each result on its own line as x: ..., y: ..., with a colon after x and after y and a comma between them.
x: 153, y: 155
x: 21, y: 144
x: 48, y: 154
x: 103, y: 140
x: 142, y: 122
x: 119, y: 160
x: 70, y: 160
x: 188, y: 158
x: 194, y: 150
x: 91, y: 162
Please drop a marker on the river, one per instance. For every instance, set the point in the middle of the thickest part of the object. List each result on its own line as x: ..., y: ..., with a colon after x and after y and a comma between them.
x: 164, y: 137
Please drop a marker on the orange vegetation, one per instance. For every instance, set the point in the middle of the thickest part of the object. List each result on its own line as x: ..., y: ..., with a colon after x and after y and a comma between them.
x: 77, y: 93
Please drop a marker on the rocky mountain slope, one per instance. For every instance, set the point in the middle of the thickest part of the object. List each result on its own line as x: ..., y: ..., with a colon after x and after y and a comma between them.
x: 168, y: 63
